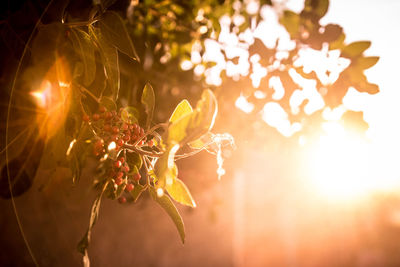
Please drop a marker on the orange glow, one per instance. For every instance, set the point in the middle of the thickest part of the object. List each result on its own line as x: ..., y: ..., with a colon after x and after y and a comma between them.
x: 53, y: 97
x: 345, y: 167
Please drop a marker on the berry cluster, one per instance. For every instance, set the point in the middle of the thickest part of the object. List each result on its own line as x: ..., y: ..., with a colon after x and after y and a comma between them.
x: 114, y: 133
x: 110, y: 127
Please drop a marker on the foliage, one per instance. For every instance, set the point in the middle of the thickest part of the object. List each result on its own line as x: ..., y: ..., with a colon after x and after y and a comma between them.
x: 112, y: 70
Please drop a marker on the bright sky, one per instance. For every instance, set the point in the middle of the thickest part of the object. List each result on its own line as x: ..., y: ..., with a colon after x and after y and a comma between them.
x: 377, y: 21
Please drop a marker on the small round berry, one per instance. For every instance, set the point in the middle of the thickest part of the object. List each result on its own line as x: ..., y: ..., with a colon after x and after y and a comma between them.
x: 129, y: 187
x: 122, y: 159
x: 125, y: 127
x: 107, y: 127
x: 136, y: 176
x: 102, y: 109
x: 117, y: 164
x: 118, y: 181
x: 122, y: 200
x: 120, y: 142
x: 85, y: 117
x: 126, y: 138
x: 107, y: 115
x: 115, y: 129
x: 126, y: 168
x: 96, y: 117
x: 119, y: 175
x: 150, y: 143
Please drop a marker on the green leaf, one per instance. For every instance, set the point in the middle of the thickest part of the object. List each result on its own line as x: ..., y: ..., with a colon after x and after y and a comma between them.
x: 166, y: 203
x: 182, y: 109
x: 165, y: 167
x: 355, y: 49
x: 109, y: 57
x: 205, y: 113
x: 94, y: 214
x: 115, y: 33
x: 318, y: 7
x: 137, y: 191
x: 180, y: 193
x: 193, y: 125
x: 84, y: 47
x: 130, y: 115
x: 148, y: 101
x: 133, y: 159
x: 366, y: 62
x: 202, y: 142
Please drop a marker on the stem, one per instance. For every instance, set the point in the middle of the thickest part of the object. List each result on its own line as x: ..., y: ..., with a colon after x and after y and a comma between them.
x: 141, y: 151
x: 83, y: 89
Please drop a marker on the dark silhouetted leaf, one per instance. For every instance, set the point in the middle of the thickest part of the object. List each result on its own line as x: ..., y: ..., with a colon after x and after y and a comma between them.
x: 84, y: 47
x: 355, y: 49
x: 318, y: 7
x: 366, y: 62
x: 109, y: 57
x: 115, y: 33
x: 108, y: 103
x: 137, y: 191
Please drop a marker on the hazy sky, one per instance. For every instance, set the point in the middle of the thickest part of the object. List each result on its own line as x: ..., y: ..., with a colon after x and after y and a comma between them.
x: 377, y: 21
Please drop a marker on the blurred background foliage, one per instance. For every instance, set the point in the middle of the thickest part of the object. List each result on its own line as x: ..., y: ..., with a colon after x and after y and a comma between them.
x: 111, y: 48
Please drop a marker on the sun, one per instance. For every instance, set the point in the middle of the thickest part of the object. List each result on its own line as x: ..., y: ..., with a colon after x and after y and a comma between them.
x: 343, y: 166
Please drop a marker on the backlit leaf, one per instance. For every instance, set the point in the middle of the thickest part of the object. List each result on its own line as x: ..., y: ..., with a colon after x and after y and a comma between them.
x: 182, y: 109
x: 130, y: 115
x: 180, y: 193
x: 148, y: 101
x: 166, y: 203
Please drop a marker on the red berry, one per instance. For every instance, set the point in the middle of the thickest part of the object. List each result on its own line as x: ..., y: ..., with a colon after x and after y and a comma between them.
x: 120, y: 142
x: 122, y: 159
x: 126, y: 138
x: 118, y: 181
x: 150, y: 143
x: 136, y: 176
x: 119, y: 175
x: 96, y: 117
x: 129, y: 187
x: 115, y: 129
x: 124, y: 127
x: 107, y: 127
x: 122, y: 200
x: 108, y: 115
x: 85, y: 117
x: 102, y: 109
x: 117, y: 164
x: 126, y: 168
